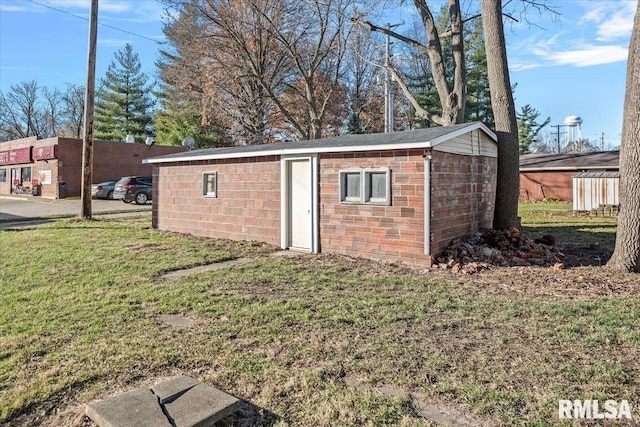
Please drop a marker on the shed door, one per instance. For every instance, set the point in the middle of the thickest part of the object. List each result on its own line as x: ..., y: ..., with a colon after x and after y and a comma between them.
x: 300, y: 204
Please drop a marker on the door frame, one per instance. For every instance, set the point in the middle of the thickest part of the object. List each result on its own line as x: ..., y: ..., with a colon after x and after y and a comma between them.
x: 285, y: 200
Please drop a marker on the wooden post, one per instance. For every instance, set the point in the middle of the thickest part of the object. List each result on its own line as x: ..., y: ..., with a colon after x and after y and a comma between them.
x: 87, y: 140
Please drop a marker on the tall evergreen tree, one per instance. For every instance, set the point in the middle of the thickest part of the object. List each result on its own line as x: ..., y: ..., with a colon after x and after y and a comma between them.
x: 528, y: 127
x: 124, y: 104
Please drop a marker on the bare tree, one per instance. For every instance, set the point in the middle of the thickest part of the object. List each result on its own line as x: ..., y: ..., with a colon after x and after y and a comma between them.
x: 452, y: 95
x: 313, y: 34
x: 73, y: 110
x: 252, y: 55
x: 52, y: 110
x: 504, y: 113
x: 365, y: 96
x: 248, y: 64
x: 626, y: 256
x: 25, y: 112
x: 223, y: 58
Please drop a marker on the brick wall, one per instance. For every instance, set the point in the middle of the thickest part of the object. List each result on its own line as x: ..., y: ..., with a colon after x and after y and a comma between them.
x: 248, y: 202
x: 394, y: 232
x: 111, y: 160
x: 463, y: 192
x: 247, y: 206
x: 5, y: 187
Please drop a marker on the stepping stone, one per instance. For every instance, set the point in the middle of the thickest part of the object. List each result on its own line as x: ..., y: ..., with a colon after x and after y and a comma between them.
x: 139, y: 407
x: 201, y: 406
x: 169, y: 390
x: 175, y: 320
x: 178, y: 402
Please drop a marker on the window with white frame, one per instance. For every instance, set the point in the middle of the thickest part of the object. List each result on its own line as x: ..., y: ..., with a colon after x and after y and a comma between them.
x: 365, y: 186
x: 377, y: 186
x: 210, y: 184
x: 350, y: 186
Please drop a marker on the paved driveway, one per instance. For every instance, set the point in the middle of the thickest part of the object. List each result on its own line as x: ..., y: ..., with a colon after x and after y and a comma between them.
x: 14, y: 208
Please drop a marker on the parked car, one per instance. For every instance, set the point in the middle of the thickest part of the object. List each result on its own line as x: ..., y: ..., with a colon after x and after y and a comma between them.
x: 104, y: 190
x: 133, y: 189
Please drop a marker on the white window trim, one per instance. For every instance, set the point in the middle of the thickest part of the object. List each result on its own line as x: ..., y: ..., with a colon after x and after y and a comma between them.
x: 343, y: 187
x: 206, y: 193
x: 365, y: 196
x: 386, y: 201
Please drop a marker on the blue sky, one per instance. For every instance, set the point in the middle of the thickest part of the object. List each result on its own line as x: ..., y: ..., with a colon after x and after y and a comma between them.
x: 573, y: 64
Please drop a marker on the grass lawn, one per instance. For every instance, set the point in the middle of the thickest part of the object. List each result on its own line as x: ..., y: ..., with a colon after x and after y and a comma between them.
x: 558, y: 219
x: 310, y: 340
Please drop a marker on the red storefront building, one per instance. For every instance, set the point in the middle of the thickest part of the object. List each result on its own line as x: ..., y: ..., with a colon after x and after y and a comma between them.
x: 52, y: 167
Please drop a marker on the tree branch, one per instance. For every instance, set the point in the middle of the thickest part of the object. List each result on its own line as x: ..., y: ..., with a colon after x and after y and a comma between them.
x: 373, y: 27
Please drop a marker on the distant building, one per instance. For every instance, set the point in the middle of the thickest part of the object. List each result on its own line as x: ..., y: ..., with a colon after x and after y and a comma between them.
x: 53, y: 166
x: 553, y: 175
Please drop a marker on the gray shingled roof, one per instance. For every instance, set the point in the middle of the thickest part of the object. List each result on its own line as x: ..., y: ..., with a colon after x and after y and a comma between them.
x: 570, y: 161
x: 339, y: 143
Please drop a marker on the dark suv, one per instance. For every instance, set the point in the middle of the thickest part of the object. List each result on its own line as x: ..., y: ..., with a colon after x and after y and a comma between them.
x: 133, y: 189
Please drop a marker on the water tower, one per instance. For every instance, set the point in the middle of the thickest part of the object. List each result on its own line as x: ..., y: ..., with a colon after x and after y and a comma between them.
x: 573, y: 132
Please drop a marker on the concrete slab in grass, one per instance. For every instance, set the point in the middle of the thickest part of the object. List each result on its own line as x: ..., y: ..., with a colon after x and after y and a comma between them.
x: 171, y: 389
x: 139, y: 407
x: 177, y: 402
x: 201, y: 406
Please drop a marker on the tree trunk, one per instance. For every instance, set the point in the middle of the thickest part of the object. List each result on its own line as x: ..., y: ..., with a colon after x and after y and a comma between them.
x: 452, y: 100
x: 626, y: 256
x: 504, y: 113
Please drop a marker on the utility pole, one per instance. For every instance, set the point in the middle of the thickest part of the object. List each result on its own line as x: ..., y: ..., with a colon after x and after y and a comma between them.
x: 388, y: 92
x: 87, y: 140
x: 558, y: 135
x: 388, y: 95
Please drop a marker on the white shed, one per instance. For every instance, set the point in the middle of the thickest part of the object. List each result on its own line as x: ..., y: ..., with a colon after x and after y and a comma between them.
x: 594, y: 189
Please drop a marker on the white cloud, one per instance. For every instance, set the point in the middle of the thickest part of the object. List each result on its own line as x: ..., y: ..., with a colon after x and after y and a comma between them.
x: 612, y: 20
x: 586, y: 56
x: 113, y: 42
x: 12, y: 7
x: 132, y: 10
x: 523, y: 66
x: 597, y: 35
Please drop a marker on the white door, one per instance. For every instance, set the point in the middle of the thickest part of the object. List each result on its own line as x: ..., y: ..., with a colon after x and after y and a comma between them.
x: 300, y: 204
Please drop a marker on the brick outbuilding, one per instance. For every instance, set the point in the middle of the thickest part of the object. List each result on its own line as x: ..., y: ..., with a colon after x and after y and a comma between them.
x: 55, y: 164
x: 398, y: 196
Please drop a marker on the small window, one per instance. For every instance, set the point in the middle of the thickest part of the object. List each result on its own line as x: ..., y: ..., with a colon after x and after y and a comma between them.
x: 210, y: 184
x: 350, y: 187
x: 377, y: 187
x: 366, y: 186
x: 3, y: 175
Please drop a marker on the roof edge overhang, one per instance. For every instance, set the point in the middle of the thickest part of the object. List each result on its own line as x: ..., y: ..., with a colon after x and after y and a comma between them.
x: 570, y: 169
x: 302, y: 150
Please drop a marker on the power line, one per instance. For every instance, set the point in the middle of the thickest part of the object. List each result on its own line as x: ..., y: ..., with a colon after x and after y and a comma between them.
x: 87, y: 19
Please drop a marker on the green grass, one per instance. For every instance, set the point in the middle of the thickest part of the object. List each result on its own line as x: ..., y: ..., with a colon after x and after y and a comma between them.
x: 558, y: 220
x: 79, y: 322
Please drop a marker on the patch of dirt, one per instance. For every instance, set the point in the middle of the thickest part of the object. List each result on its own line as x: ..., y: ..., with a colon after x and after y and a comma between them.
x: 512, y: 248
x: 582, y: 274
x: 575, y: 283
x: 438, y: 413
x: 508, y: 263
